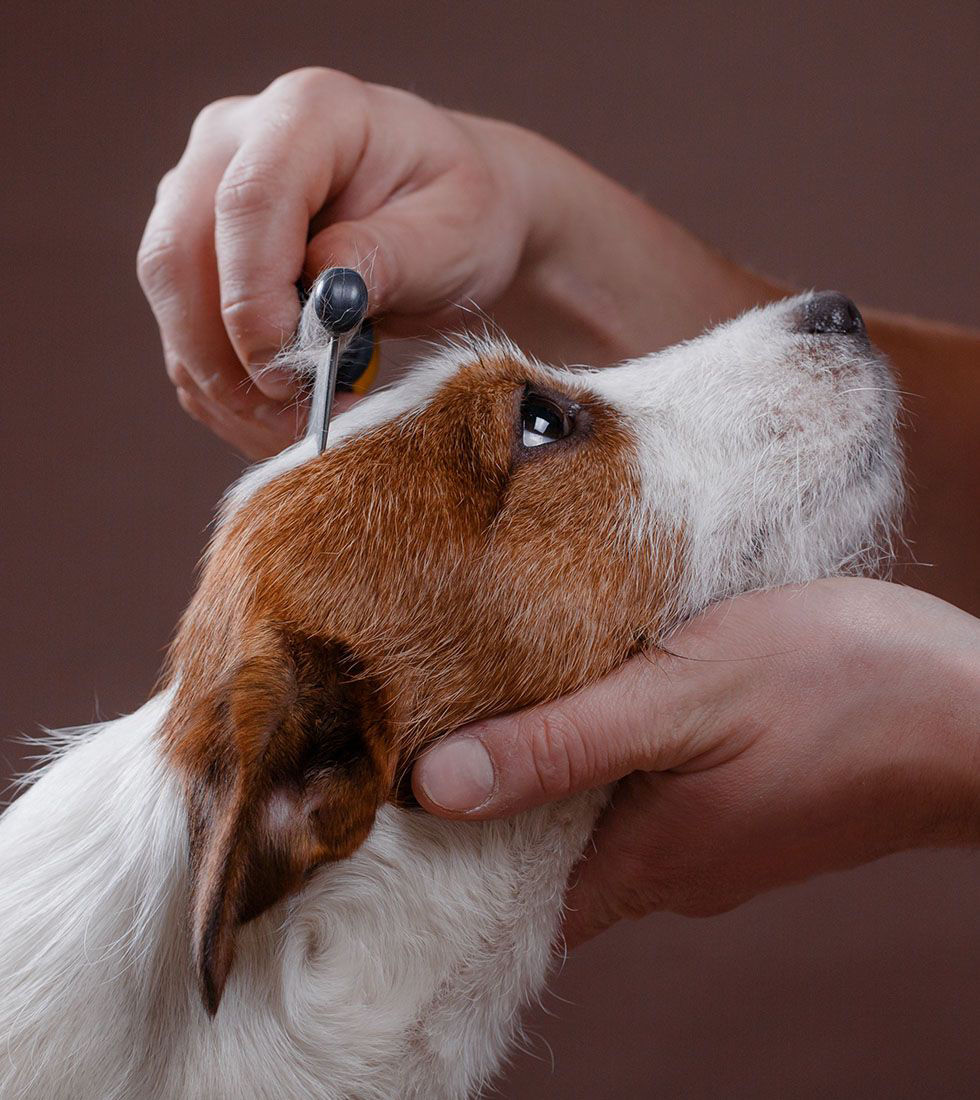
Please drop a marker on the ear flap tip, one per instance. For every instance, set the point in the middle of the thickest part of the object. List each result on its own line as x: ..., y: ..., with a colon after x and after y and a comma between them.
x: 291, y: 718
x: 211, y: 981
x: 210, y: 998
x: 214, y: 948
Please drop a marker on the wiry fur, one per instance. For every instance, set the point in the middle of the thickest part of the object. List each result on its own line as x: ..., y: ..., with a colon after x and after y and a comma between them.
x: 398, y: 972
x: 774, y: 451
x: 753, y: 456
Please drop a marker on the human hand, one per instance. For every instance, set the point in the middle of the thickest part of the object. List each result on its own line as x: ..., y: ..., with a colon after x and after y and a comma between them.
x: 437, y: 209
x: 791, y: 732
x: 319, y: 169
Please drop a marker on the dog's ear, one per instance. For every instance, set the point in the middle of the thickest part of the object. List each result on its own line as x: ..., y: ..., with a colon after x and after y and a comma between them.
x: 286, y: 764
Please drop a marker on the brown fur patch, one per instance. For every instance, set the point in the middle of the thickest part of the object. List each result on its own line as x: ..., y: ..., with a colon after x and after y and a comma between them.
x: 451, y: 572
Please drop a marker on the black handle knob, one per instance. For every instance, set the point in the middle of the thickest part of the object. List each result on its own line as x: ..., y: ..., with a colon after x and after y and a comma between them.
x: 340, y: 299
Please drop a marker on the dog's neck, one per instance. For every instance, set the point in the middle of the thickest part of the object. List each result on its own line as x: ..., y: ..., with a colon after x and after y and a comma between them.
x: 380, y: 978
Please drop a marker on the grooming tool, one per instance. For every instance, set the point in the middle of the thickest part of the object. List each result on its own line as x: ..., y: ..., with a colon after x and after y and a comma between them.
x: 340, y: 301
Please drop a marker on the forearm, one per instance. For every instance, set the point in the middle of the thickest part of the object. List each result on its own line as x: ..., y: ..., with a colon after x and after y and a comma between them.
x: 911, y: 664
x: 605, y: 276
x: 957, y: 816
x: 938, y: 368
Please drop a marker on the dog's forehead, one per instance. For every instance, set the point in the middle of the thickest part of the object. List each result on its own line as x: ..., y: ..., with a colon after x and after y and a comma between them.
x: 480, y: 361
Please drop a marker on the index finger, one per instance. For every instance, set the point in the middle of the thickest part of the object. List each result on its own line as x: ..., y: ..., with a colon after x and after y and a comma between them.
x: 273, y: 186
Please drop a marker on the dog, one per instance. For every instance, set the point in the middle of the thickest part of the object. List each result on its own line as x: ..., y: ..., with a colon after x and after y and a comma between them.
x: 230, y: 892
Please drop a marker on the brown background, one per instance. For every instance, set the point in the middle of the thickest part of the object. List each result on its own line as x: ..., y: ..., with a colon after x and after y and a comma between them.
x: 832, y: 145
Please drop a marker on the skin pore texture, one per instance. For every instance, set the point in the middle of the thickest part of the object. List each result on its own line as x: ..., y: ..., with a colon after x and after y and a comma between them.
x: 445, y: 211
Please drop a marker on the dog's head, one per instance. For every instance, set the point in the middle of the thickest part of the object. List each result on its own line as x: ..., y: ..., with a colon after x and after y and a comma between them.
x: 488, y: 534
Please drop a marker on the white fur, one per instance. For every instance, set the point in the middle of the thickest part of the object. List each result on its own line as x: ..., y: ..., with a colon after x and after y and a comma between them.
x: 400, y: 972
x: 771, y: 451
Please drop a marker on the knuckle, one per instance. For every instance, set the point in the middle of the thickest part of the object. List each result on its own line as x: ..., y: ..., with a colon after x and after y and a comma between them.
x: 245, y: 192
x: 157, y: 260
x: 178, y: 373
x: 559, y: 753
x: 634, y: 900
x: 239, y: 313
x: 166, y: 183
x: 215, y: 387
x: 190, y: 404
x: 402, y: 101
x: 217, y: 390
x: 209, y: 117
x: 314, y: 80
x: 640, y: 886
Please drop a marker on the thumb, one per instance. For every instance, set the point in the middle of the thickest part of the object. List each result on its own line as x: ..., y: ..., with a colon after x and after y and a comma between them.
x: 626, y: 722
x: 655, y: 713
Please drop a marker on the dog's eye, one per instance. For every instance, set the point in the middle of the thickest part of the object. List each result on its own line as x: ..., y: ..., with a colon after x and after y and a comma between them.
x: 542, y: 421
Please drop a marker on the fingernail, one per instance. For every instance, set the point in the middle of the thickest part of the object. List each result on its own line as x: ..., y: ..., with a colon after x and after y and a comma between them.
x: 268, y: 414
x: 457, y: 775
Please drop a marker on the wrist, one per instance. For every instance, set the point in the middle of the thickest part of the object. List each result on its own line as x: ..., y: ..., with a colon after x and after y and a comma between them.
x: 953, y: 746
x: 927, y: 713
x: 603, y: 275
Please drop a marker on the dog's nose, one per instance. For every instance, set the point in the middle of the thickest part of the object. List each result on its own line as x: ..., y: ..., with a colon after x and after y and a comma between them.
x: 832, y: 313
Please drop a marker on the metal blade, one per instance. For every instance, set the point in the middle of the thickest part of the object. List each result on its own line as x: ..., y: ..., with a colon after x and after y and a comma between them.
x: 323, y: 393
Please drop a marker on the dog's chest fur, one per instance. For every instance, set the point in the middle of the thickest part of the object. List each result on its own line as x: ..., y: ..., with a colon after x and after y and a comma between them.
x: 398, y: 972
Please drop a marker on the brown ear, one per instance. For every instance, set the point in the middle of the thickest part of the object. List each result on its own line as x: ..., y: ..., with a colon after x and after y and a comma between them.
x: 287, y: 764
